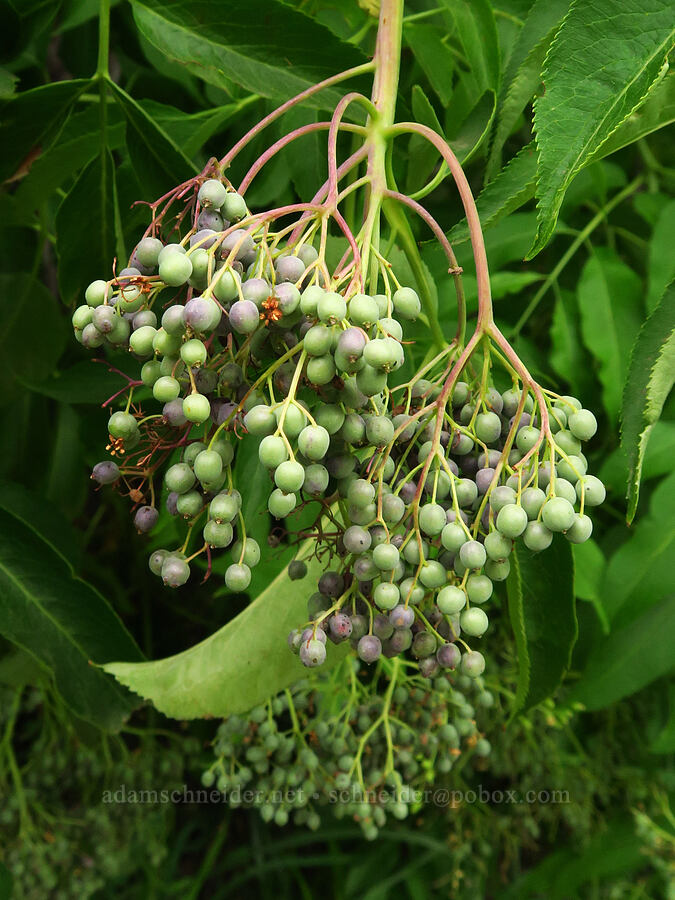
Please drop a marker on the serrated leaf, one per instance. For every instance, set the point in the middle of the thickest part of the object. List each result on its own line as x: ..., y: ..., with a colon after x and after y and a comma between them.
x: 29, y: 117
x: 610, y: 298
x: 515, y: 183
x: 522, y: 74
x: 62, y: 622
x: 657, y: 111
x: 508, y: 191
x: 85, y: 238
x: 236, y: 668
x: 650, y: 379
x: 434, y: 57
x: 159, y: 163
x: 603, y: 62
x: 543, y: 617
x: 629, y: 658
x: 268, y: 47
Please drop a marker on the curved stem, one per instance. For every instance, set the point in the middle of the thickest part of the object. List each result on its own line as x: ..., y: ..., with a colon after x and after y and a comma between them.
x: 469, y: 204
x: 284, y: 141
x: 226, y: 161
x: 455, y: 269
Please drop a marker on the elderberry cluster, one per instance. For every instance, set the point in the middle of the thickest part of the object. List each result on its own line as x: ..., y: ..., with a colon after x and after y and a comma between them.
x: 426, y: 520
x: 236, y: 334
x: 368, y: 757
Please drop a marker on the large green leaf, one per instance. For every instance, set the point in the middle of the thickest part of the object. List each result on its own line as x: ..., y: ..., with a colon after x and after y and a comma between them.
x: 542, y: 611
x: 515, y: 183
x: 610, y: 302
x: 264, y: 45
x: 650, y: 378
x: 604, y: 60
x: 159, y: 163
x: 236, y: 668
x: 28, y: 119
x: 85, y: 237
x: 62, y: 622
x: 629, y: 658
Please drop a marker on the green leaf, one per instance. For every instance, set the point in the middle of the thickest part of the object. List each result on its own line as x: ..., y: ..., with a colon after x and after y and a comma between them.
x: 30, y: 117
x: 475, y: 127
x: 477, y: 33
x: 650, y: 378
x: 664, y: 742
x: 18, y: 668
x: 522, y: 74
x: 656, y: 112
x: 44, y: 518
x: 629, y: 658
x: 266, y: 46
x: 62, y: 622
x: 508, y: 191
x: 615, y: 851
x: 661, y: 257
x: 85, y: 382
x: 640, y: 571
x: 85, y: 238
x: 435, y: 57
x: 75, y: 146
x: 568, y: 357
x: 236, y: 668
x: 543, y: 617
x: 24, y: 349
x: 192, y: 130
x: 603, y: 62
x: 159, y: 163
x: 8, y: 82
x: 422, y: 155
x: 610, y: 298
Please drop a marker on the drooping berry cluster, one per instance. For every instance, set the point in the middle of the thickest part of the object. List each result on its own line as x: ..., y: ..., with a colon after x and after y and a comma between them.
x: 426, y: 521
x: 369, y: 756
x: 419, y: 488
x: 237, y: 333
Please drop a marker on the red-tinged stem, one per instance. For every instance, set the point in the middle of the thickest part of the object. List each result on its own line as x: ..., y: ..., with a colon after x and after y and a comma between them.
x: 226, y: 161
x: 455, y: 269
x: 320, y: 195
x: 485, y: 318
x: 284, y: 141
x: 335, y: 123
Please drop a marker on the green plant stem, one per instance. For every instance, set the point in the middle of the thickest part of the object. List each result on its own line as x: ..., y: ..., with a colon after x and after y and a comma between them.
x: 103, y: 38
x: 384, y: 94
x: 572, y: 249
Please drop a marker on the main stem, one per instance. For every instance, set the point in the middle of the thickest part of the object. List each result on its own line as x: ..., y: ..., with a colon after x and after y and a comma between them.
x: 385, y: 90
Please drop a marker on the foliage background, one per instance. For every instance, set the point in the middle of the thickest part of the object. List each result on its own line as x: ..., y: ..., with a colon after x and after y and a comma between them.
x: 186, y: 80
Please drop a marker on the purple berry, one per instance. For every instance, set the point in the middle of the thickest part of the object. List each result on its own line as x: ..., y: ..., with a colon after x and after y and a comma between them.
x: 146, y: 518
x: 369, y: 648
x: 106, y: 472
